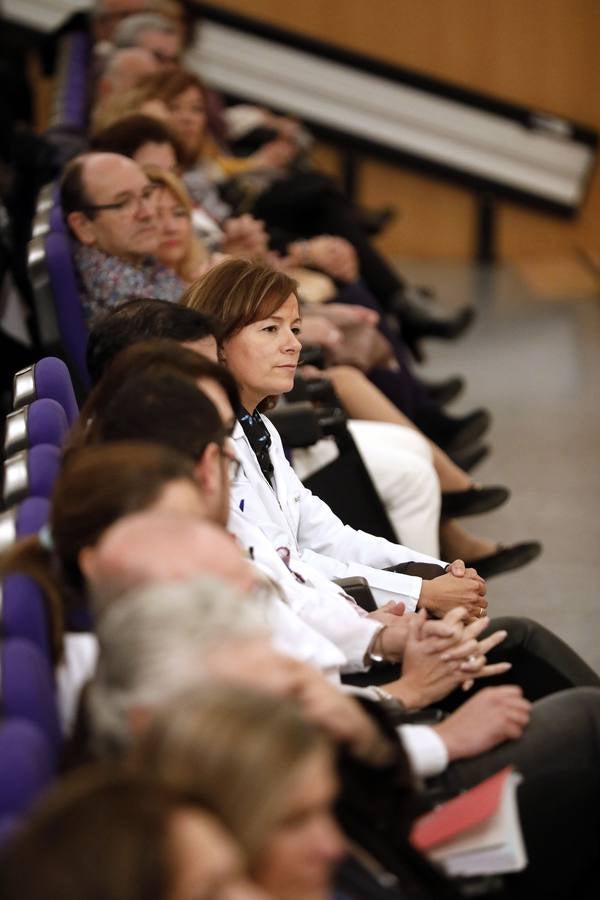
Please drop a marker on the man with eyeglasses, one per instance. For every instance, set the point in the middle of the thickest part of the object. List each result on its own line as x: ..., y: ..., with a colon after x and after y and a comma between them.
x: 154, y: 33
x: 108, y: 205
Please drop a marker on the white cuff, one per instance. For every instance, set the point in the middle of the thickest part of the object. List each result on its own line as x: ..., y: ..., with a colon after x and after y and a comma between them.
x: 425, y: 749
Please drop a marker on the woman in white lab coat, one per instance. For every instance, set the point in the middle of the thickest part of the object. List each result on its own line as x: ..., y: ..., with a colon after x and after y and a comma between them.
x: 256, y: 310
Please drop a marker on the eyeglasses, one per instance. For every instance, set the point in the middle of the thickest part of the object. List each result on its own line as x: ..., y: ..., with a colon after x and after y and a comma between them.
x: 165, y: 59
x: 234, y: 464
x: 128, y: 206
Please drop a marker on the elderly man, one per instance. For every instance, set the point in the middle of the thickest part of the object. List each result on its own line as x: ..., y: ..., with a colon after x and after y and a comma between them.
x: 212, y: 633
x: 124, y: 70
x: 154, y: 33
x: 108, y: 205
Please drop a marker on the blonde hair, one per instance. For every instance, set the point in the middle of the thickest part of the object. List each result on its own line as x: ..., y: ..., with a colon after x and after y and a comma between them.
x: 196, y: 253
x: 235, y: 751
x: 120, y: 104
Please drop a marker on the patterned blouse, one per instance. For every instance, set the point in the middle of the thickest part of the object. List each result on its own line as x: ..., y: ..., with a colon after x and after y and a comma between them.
x: 107, y: 281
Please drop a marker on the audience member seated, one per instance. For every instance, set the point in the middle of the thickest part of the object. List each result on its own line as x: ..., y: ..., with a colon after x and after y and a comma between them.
x: 128, y: 403
x: 154, y: 33
x: 178, y: 247
x: 108, y: 205
x: 123, y: 71
x: 105, y: 834
x: 246, y: 337
x: 397, y: 459
x: 142, y: 633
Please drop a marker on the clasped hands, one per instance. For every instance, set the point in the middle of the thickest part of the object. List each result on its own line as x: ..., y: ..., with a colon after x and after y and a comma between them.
x: 437, y: 655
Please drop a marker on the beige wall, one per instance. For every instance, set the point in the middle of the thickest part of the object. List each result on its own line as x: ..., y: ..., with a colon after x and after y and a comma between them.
x: 542, y: 53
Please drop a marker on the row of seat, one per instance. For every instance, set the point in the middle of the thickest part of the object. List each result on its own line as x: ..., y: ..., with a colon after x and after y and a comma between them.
x: 30, y: 731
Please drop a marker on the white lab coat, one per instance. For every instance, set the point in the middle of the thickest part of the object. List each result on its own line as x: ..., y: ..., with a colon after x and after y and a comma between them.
x: 291, y: 516
x: 331, y: 630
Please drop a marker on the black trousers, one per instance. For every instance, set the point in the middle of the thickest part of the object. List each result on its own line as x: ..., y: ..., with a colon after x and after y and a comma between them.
x: 542, y: 664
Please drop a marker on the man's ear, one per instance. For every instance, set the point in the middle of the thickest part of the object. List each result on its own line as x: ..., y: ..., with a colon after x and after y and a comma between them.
x: 86, y: 560
x: 82, y: 227
x: 206, y: 470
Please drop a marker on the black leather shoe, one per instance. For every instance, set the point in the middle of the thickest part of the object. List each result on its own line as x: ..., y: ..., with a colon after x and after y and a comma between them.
x: 452, y: 433
x: 443, y: 392
x: 473, y: 501
x: 470, y: 457
x: 421, y: 315
x: 506, y: 558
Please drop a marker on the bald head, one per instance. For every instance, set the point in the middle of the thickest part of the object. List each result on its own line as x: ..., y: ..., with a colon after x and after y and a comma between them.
x: 159, y: 546
x: 108, y: 203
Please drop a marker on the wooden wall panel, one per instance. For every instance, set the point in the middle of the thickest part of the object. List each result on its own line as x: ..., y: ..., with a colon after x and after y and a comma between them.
x: 541, y: 53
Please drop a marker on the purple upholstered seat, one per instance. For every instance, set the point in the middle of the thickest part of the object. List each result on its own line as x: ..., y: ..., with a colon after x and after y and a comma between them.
x: 25, y: 518
x: 23, y: 612
x: 42, y: 422
x: 55, y: 220
x: 26, y: 769
x: 67, y: 300
x: 31, y: 515
x: 27, y: 689
x: 76, y: 86
x: 31, y: 473
x: 49, y: 378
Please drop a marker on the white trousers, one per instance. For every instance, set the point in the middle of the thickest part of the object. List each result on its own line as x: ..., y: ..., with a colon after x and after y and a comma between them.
x: 399, y: 462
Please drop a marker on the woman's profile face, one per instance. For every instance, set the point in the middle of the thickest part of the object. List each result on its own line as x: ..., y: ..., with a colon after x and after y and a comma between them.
x: 302, y: 850
x: 187, y: 117
x: 263, y: 356
x: 174, y: 228
x: 206, y: 863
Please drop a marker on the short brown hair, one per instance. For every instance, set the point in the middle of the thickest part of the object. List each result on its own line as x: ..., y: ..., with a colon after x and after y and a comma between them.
x: 238, y: 292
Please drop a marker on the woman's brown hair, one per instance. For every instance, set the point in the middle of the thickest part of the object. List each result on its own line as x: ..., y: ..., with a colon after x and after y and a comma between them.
x: 237, y: 293
x: 236, y: 752
x: 101, y: 833
x: 95, y: 487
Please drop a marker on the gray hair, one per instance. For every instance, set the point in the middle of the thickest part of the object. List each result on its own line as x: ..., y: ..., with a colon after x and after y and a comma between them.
x: 152, y: 644
x: 129, y: 29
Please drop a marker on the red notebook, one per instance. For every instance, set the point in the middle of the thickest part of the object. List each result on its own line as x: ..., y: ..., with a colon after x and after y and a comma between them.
x: 478, y: 832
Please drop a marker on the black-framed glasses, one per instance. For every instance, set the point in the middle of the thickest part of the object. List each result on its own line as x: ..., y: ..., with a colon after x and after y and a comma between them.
x: 165, y: 59
x: 128, y: 205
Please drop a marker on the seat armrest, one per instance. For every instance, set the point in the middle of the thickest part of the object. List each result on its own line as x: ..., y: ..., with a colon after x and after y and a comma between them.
x: 297, y: 423
x: 358, y: 588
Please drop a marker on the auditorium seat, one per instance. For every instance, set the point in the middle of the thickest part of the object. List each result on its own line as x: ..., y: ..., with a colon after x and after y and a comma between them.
x: 58, y: 307
x: 23, y: 612
x: 42, y: 422
x: 26, y: 769
x: 27, y: 689
x: 31, y: 473
x: 49, y: 378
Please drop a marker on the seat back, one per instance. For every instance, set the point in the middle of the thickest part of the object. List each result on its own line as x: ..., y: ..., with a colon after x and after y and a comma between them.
x: 27, y: 689
x: 28, y: 517
x: 49, y: 378
x: 67, y: 301
x: 23, y: 612
x: 31, y: 473
x: 26, y: 769
x: 42, y: 422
